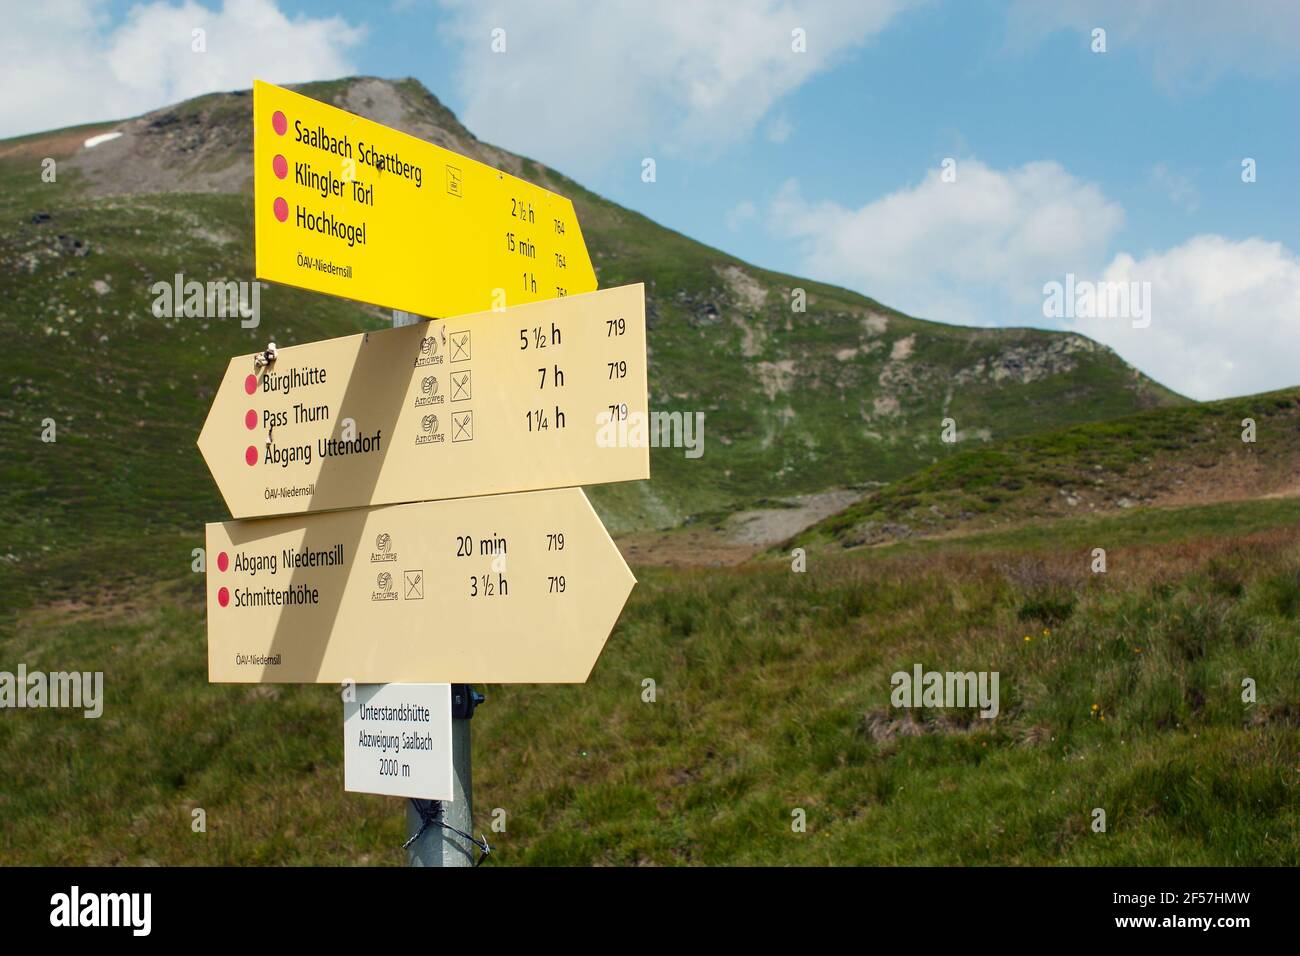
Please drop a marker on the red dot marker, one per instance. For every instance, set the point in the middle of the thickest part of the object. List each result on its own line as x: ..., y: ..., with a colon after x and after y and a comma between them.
x: 281, y: 209
x: 223, y: 597
x: 250, y: 420
x: 223, y: 561
x: 279, y: 123
x: 250, y: 384
x: 281, y: 167
x: 250, y: 456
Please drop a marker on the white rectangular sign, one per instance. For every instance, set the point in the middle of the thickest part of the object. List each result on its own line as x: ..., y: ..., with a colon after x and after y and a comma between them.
x: 397, y: 741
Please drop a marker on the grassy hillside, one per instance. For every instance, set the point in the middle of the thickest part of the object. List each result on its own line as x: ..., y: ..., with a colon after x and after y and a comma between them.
x: 849, y: 392
x: 1165, y: 457
x: 1120, y: 691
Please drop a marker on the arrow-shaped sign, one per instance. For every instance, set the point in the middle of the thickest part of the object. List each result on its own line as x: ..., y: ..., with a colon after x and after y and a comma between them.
x: 508, y: 589
x: 546, y: 395
x: 356, y: 209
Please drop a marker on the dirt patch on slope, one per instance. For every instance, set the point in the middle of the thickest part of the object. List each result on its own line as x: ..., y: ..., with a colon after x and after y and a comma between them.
x: 737, y: 538
x: 765, y: 527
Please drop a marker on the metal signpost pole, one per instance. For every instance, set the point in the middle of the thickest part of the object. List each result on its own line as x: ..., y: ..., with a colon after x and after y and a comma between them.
x: 433, y: 845
x: 428, y: 843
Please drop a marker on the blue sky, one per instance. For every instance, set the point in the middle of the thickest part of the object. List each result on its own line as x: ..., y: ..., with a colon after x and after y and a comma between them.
x: 1122, y: 166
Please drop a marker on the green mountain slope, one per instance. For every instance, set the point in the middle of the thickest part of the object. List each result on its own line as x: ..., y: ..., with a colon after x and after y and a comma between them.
x: 1168, y: 457
x: 847, y: 393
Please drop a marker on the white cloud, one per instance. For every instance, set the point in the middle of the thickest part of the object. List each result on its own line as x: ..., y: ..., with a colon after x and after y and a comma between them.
x: 65, y: 62
x: 1186, y: 41
x: 1224, y: 314
x: 1225, y: 317
x: 578, y: 81
x: 954, y: 250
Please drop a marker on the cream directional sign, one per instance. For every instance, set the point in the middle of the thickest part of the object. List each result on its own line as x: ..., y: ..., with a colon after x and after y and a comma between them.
x: 397, y: 740
x: 537, y: 396
x: 504, y: 589
x: 353, y: 208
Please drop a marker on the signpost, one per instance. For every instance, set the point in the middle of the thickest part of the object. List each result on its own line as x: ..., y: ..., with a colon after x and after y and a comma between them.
x: 353, y: 208
x: 520, y: 588
x: 542, y: 392
x: 475, y: 405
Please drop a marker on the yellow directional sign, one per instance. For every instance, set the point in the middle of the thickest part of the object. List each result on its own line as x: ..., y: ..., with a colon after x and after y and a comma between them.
x: 356, y: 209
x: 508, y: 589
x: 546, y: 395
